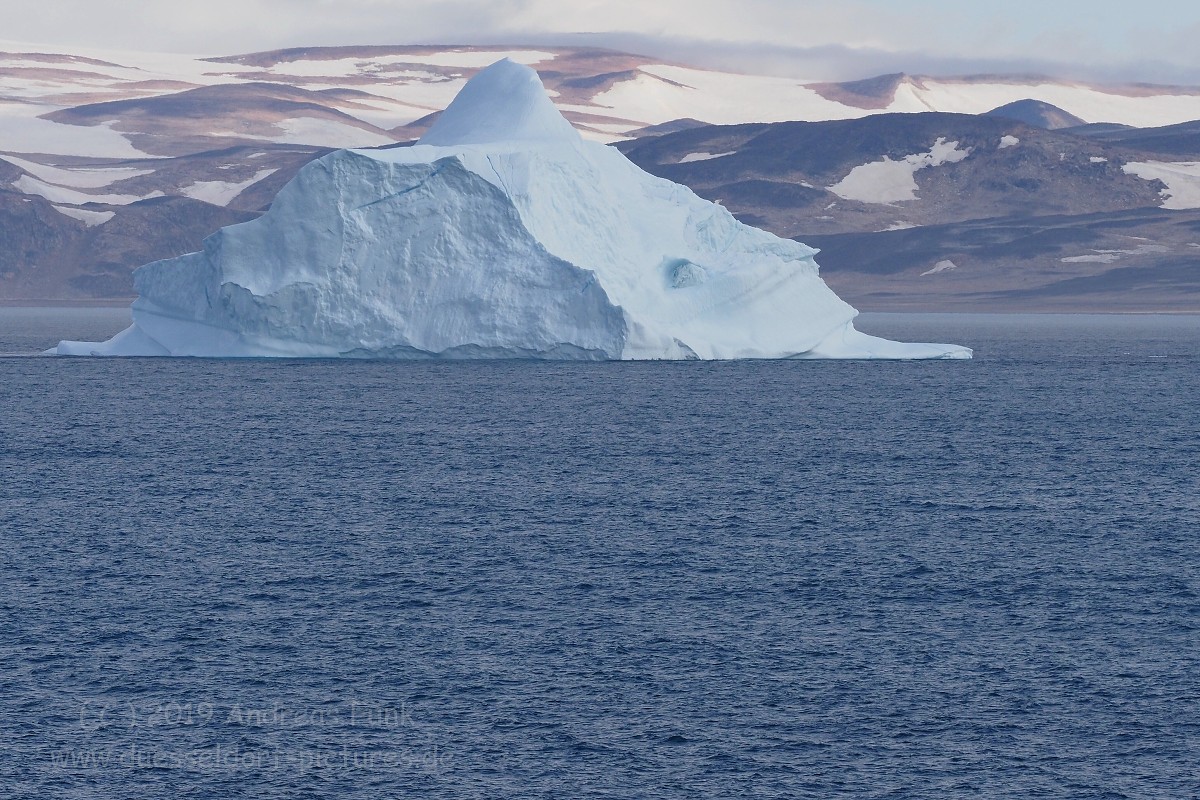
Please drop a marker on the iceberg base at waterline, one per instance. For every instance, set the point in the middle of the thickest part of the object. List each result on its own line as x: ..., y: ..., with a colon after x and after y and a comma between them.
x: 500, y: 234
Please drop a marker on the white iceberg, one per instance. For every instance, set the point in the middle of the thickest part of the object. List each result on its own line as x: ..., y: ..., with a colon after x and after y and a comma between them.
x: 500, y: 233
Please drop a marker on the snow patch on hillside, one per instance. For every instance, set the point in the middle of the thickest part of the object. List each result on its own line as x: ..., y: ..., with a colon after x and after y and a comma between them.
x: 349, y: 68
x: 1092, y: 258
x: 89, y: 218
x: 329, y: 133
x: 941, y: 266
x: 690, y: 157
x: 78, y: 178
x: 1089, y: 103
x: 886, y: 182
x: 1182, y: 179
x: 418, y: 98
x: 23, y: 131
x: 222, y: 193
x: 1112, y: 256
x: 1007, y: 142
x: 663, y: 93
x: 396, y: 68
x: 467, y: 59
x: 479, y: 59
x: 322, y: 133
x: 60, y: 194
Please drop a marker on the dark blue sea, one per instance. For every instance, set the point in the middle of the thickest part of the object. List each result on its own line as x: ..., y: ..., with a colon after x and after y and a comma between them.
x: 288, y: 579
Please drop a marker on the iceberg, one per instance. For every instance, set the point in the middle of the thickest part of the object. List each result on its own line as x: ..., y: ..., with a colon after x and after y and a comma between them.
x: 501, y: 233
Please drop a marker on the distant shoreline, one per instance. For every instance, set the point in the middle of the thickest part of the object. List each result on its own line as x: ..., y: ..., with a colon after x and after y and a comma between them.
x: 54, y: 302
x: 124, y: 303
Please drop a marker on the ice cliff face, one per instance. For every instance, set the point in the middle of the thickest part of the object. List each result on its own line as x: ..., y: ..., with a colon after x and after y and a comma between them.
x: 501, y: 233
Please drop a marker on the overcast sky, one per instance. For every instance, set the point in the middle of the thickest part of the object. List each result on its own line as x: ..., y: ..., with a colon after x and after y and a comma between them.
x: 1155, y: 40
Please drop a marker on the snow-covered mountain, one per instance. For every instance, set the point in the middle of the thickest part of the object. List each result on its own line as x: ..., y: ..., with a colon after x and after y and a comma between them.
x: 958, y: 212
x: 113, y: 159
x: 501, y: 233
x: 128, y: 105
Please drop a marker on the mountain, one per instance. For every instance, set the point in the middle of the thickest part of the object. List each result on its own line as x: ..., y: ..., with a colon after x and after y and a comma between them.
x: 501, y: 233
x: 109, y: 160
x: 889, y: 170
x: 76, y: 231
x: 1175, y: 141
x: 212, y: 117
x: 958, y: 212
x: 1037, y: 114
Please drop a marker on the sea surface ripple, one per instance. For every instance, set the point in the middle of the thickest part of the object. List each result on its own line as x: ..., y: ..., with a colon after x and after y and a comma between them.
x: 278, y: 579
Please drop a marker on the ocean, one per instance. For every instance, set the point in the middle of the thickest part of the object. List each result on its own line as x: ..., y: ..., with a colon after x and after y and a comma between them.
x: 366, y: 579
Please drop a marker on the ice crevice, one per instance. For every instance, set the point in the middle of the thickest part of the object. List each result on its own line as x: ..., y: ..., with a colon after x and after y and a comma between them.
x: 403, y: 192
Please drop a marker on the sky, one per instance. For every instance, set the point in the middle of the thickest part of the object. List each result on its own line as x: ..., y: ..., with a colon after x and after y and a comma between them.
x: 820, y: 39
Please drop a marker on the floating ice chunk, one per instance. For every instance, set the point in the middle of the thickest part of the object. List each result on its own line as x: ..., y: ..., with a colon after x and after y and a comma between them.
x: 501, y: 233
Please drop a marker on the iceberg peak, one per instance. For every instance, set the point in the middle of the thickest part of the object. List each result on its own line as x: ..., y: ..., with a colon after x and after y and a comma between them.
x: 505, y: 102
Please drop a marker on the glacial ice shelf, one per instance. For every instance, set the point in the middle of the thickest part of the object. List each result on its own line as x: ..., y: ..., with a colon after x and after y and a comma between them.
x: 500, y: 233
